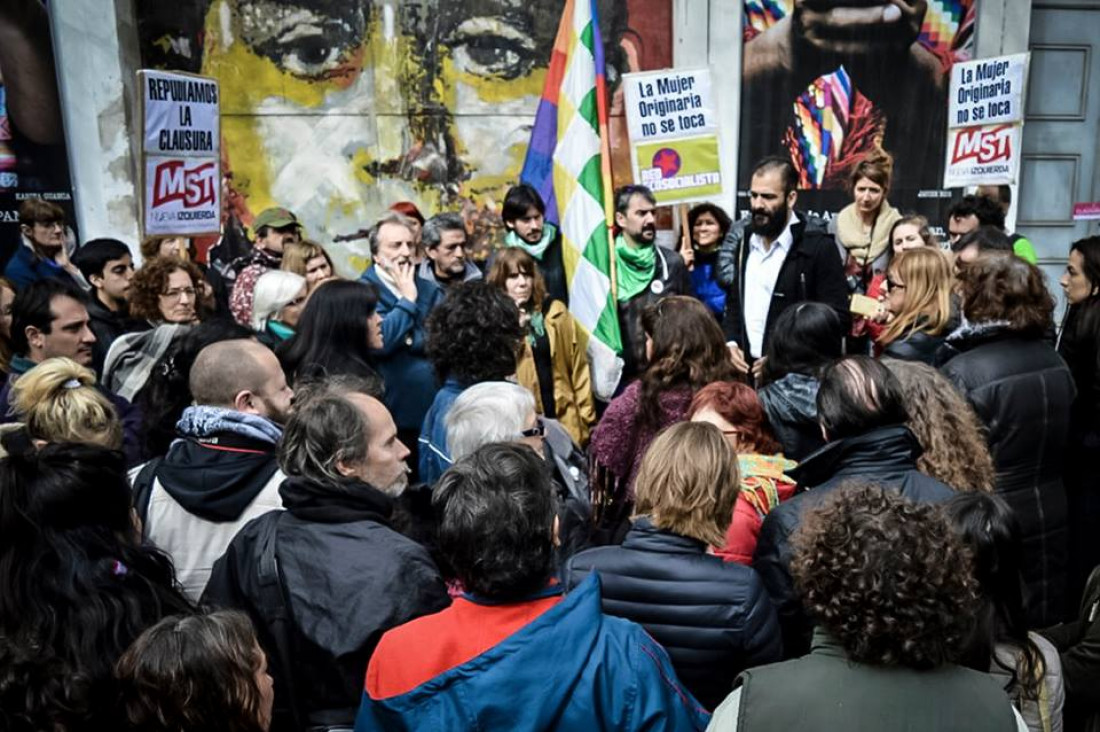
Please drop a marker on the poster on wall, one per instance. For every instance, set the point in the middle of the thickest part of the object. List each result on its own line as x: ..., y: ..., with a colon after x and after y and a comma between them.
x: 826, y: 89
x: 338, y: 110
x: 673, y: 126
x: 985, y: 121
x: 181, y: 144
x: 33, y: 156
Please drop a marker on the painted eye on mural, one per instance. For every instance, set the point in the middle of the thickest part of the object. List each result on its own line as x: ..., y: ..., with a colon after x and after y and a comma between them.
x: 301, y: 40
x: 492, y: 47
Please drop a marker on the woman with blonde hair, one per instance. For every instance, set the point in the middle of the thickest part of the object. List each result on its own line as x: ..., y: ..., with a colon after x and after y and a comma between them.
x: 57, y: 401
x: 553, y: 365
x: 308, y: 259
x: 948, y: 430
x: 713, y: 617
x: 918, y: 298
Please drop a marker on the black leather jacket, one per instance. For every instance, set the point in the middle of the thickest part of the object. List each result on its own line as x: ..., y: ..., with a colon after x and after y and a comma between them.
x: 670, y: 277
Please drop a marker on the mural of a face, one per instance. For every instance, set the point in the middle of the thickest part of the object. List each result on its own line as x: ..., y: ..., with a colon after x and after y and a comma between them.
x: 336, y: 109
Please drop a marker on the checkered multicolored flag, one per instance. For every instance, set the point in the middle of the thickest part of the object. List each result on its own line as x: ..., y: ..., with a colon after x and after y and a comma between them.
x: 569, y: 162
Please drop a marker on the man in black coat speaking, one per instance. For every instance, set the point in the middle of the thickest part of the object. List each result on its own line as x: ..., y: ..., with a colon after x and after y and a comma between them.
x: 774, y: 258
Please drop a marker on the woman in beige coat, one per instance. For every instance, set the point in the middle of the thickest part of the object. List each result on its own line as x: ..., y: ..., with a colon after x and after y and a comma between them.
x: 553, y: 364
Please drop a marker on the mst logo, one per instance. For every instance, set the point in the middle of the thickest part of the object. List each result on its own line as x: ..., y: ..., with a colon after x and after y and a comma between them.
x: 984, y: 146
x: 193, y: 187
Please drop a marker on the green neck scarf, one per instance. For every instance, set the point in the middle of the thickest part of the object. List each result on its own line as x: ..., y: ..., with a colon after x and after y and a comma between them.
x: 549, y: 231
x: 633, y: 268
x: 281, y: 331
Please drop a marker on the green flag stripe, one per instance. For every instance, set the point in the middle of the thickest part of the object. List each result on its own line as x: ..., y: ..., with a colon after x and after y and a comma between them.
x: 591, y: 180
x: 587, y: 110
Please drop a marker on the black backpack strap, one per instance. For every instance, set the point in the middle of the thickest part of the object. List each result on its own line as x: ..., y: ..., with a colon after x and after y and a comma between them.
x: 143, y: 490
x: 276, y: 611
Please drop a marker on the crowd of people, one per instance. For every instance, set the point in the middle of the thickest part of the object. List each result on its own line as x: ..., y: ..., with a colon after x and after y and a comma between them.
x: 844, y: 481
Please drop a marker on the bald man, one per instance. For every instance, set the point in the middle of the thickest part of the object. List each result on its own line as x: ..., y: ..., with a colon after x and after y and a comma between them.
x: 223, y: 471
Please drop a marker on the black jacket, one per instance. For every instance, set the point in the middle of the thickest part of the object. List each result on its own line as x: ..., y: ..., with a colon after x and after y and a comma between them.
x: 791, y: 406
x: 345, y: 576
x: 812, y: 271
x: 915, y: 347
x: 714, y: 618
x: 107, y: 325
x: 1078, y: 644
x: 670, y: 277
x: 886, y: 457
x: 1023, y: 391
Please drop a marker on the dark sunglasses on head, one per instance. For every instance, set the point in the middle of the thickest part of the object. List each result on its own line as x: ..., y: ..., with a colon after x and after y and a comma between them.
x: 539, y: 430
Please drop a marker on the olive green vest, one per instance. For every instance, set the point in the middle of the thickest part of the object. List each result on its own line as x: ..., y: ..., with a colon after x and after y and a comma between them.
x: 825, y: 691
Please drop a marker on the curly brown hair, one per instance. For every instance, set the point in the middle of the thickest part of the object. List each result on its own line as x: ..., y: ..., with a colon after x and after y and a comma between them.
x: 887, y: 578
x: 946, y: 426
x: 149, y: 283
x: 1001, y: 286
x: 689, y: 349
x: 194, y: 672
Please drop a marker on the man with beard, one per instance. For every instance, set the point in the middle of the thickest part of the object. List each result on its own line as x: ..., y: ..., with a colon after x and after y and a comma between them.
x: 404, y: 301
x: 644, y: 272
x: 325, y: 578
x: 524, y: 216
x: 223, y: 471
x: 445, y: 251
x: 772, y: 259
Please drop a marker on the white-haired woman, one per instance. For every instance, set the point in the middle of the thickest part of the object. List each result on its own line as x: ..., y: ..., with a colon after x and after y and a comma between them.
x: 500, y: 411
x: 277, y: 304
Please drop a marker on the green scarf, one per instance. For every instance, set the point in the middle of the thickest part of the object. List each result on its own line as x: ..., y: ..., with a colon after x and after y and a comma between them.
x: 279, y: 330
x: 633, y: 268
x: 549, y: 231
x: 536, y: 327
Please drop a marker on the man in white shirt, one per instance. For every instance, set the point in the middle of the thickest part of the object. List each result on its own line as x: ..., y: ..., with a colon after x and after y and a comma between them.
x: 774, y: 258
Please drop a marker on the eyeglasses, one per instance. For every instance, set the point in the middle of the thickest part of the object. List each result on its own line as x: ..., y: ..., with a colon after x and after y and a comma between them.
x: 52, y: 224
x: 539, y: 430
x: 179, y: 293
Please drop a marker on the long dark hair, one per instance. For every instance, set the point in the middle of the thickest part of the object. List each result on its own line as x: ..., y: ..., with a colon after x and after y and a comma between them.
x: 1083, y: 319
x: 991, y: 530
x: 689, y: 349
x: 806, y: 338
x: 332, y: 333
x: 78, y: 586
x: 168, y: 392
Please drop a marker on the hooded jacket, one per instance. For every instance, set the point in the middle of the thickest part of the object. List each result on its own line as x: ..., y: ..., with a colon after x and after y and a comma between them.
x: 1023, y: 392
x: 209, y: 485
x: 427, y: 272
x: 344, y: 578
x: 791, y: 406
x: 568, y: 668
x: 886, y: 457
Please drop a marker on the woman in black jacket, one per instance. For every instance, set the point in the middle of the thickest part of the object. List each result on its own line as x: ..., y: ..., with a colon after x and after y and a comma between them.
x: 714, y: 618
x: 1079, y: 345
x: 1022, y: 391
x: 918, y: 298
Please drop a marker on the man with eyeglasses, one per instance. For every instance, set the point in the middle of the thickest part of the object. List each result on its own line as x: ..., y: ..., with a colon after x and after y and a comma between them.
x: 44, y: 253
x: 500, y: 411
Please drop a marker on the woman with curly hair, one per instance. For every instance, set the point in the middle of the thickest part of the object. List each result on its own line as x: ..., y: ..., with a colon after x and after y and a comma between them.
x: 714, y: 618
x: 79, y: 586
x: 1002, y: 361
x: 165, y: 292
x: 196, y: 672
x: 474, y: 335
x: 1025, y: 664
x: 950, y: 434
x: 918, y: 299
x: 685, y: 350
x: 890, y: 586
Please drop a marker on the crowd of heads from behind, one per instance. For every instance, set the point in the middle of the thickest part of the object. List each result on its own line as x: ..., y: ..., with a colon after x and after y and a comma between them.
x: 791, y: 469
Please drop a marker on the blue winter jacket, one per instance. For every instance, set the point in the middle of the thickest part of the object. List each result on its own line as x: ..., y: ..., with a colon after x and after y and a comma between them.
x: 572, y: 668
x: 25, y: 268
x: 410, y: 380
x: 435, y: 458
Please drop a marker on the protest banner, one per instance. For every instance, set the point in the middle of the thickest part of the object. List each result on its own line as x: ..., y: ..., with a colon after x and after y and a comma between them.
x: 181, y: 164
x: 985, y: 121
x: 673, y: 126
